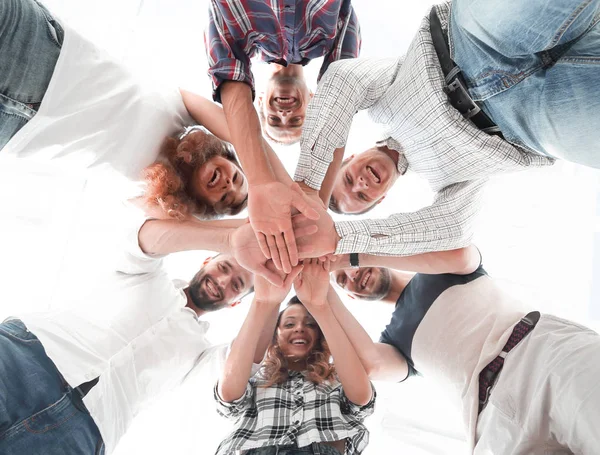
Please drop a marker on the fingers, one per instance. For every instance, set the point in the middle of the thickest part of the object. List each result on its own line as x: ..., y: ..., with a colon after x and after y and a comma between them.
x: 291, y: 278
x: 282, y: 251
x: 290, y: 244
x: 273, y: 251
x: 300, y: 202
x: 262, y: 243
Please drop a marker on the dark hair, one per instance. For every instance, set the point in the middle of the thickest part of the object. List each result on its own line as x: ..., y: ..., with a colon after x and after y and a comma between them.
x: 168, y: 182
x: 319, y: 366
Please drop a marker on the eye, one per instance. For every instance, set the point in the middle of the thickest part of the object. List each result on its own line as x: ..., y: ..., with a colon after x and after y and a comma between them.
x: 296, y: 121
x: 288, y: 326
x: 348, y: 179
x: 273, y: 120
x: 224, y: 197
x: 235, y: 177
x: 362, y: 197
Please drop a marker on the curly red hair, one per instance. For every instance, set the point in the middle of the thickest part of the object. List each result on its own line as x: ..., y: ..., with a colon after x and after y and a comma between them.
x: 168, y: 182
x: 319, y: 366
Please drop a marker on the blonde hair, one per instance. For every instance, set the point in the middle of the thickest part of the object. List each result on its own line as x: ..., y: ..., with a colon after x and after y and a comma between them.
x: 319, y: 366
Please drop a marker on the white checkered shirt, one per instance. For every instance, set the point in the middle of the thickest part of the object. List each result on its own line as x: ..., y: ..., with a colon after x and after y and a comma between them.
x: 407, y: 96
x: 297, y: 412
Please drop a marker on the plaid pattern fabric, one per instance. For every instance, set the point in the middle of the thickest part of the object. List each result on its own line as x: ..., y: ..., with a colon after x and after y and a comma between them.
x: 407, y: 95
x: 297, y: 412
x: 277, y: 31
x: 491, y: 370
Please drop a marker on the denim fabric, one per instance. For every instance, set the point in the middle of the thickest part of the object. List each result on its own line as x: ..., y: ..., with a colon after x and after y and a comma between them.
x: 30, y: 43
x: 315, y: 448
x: 39, y: 411
x: 535, y: 66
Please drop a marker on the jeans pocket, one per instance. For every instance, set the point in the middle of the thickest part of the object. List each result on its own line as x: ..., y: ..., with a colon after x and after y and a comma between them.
x: 55, y: 30
x: 16, y: 330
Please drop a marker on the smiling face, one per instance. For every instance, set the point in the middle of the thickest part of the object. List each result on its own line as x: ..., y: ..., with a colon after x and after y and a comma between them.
x: 297, y: 334
x: 219, y: 283
x: 220, y: 183
x: 283, y: 107
x: 364, y: 180
x: 367, y: 283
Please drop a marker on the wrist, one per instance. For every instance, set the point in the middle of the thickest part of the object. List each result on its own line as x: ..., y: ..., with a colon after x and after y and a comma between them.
x: 265, y: 302
x: 307, y: 189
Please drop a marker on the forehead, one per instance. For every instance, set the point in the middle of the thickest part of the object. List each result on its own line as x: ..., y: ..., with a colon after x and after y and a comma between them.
x: 296, y: 311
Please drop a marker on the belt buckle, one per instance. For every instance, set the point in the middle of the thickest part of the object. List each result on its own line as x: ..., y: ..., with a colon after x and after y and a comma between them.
x: 483, y: 402
x: 531, y: 319
x: 461, y: 100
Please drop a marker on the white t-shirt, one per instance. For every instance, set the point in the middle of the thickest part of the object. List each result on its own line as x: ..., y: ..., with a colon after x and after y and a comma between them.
x: 98, y: 114
x: 133, y: 331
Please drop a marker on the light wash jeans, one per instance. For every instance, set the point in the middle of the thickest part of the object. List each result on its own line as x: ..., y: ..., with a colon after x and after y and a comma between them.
x: 39, y: 412
x: 30, y: 43
x: 535, y: 67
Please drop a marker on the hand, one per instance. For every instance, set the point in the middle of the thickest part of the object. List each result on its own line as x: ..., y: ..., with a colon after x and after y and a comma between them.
x: 312, y: 284
x: 324, y: 241
x: 267, y: 293
x: 247, y: 252
x: 269, y: 208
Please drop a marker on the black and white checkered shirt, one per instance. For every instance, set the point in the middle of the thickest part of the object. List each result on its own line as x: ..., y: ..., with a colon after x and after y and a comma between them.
x: 407, y: 96
x: 297, y: 412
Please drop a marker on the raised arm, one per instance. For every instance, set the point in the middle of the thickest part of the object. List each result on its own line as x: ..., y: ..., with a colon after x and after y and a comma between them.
x: 381, y: 361
x: 447, y: 224
x: 461, y: 261
x: 243, y: 350
x: 347, y: 87
x: 311, y: 287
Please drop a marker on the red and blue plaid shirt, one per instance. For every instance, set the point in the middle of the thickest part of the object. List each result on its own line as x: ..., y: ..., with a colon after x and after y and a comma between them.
x: 277, y: 31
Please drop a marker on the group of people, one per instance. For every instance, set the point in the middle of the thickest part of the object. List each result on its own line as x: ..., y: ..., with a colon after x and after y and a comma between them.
x: 484, y: 88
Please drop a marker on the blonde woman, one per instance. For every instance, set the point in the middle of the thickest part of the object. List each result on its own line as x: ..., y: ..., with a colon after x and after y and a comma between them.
x: 299, y: 402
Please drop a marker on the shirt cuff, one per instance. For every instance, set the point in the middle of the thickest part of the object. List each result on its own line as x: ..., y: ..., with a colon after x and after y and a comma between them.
x: 232, y: 408
x: 230, y: 69
x: 313, y: 164
x: 355, y: 237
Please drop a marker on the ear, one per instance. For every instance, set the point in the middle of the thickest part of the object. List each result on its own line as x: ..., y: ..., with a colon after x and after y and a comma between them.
x: 260, y: 100
x: 351, y: 296
x: 207, y: 260
x: 382, y: 198
x: 236, y: 303
x: 311, y: 94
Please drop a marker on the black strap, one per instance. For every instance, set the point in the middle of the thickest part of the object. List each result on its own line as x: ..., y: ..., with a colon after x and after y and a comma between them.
x: 84, y: 388
x: 456, y: 86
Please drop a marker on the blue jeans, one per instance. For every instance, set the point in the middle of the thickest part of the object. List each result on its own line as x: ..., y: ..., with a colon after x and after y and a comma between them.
x: 39, y: 412
x: 535, y: 67
x: 30, y: 43
x: 314, y: 448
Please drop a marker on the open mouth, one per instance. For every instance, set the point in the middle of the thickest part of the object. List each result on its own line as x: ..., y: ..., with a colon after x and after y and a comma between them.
x: 374, y: 174
x: 299, y: 342
x: 212, y: 289
x: 285, y: 101
x: 215, y: 178
x: 365, y: 279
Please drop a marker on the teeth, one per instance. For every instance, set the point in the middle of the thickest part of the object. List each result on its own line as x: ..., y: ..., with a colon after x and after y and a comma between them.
x: 215, y: 178
x: 370, y: 171
x: 299, y: 342
x: 212, y: 289
x: 365, y: 279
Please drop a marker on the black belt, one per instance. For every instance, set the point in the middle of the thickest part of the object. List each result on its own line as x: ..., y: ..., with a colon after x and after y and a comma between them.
x: 488, y: 375
x: 456, y: 88
x: 84, y: 388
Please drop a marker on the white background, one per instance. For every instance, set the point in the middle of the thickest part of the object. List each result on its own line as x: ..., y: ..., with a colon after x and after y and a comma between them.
x: 536, y: 231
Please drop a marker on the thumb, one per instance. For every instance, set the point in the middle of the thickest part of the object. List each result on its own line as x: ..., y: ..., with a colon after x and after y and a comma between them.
x: 300, y: 203
x: 291, y: 278
x: 270, y: 276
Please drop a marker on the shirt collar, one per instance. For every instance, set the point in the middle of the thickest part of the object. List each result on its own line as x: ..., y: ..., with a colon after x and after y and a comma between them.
x: 393, y: 144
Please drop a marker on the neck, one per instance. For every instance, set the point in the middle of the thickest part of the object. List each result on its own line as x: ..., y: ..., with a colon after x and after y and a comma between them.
x: 190, y: 303
x: 399, y: 282
x: 291, y: 70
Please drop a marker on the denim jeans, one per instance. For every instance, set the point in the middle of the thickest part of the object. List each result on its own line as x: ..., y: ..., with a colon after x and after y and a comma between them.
x: 314, y: 448
x: 39, y: 412
x: 30, y: 43
x: 535, y: 67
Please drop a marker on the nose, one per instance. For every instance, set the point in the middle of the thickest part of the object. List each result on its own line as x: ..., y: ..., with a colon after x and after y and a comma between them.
x: 223, y: 281
x: 227, y: 183
x: 361, y: 184
x: 352, y: 274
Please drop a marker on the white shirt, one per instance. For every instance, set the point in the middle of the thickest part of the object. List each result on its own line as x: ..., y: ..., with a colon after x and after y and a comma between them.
x: 97, y: 113
x: 132, y: 331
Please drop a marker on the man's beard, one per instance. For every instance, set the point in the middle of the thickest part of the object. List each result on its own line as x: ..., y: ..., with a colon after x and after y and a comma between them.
x: 383, y: 286
x: 201, y: 299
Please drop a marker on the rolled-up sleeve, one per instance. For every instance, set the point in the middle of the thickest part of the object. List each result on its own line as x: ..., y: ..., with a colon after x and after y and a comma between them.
x: 355, y: 410
x: 445, y: 225
x: 347, y: 87
x: 226, y: 60
x: 234, y: 409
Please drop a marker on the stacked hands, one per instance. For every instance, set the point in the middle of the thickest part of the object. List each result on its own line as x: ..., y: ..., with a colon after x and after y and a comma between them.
x: 311, y: 283
x: 287, y: 223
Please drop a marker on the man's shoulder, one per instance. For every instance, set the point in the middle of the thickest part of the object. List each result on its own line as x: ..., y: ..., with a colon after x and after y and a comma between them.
x: 428, y: 287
